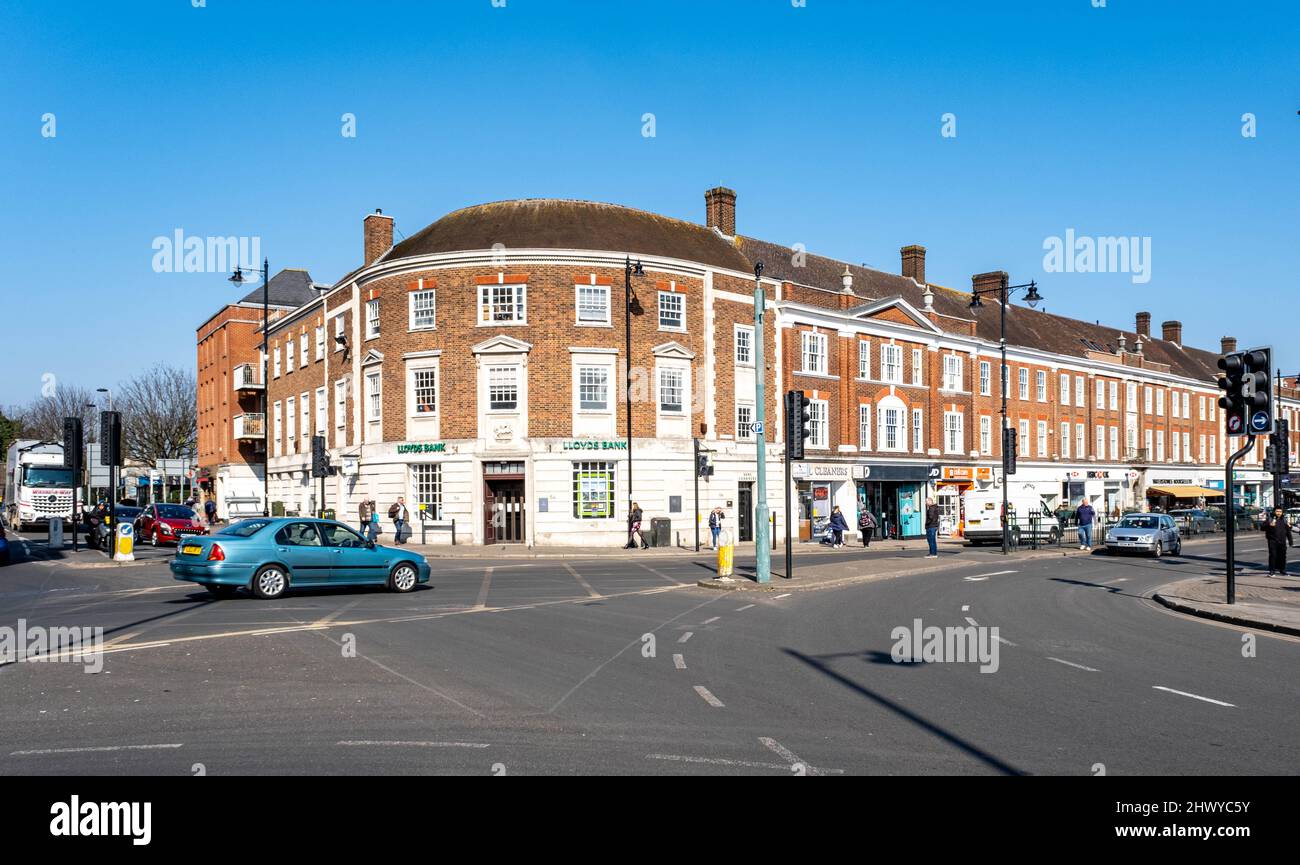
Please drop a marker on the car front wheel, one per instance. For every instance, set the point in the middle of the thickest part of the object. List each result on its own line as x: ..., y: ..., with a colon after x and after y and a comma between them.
x: 403, y: 578
x: 270, y: 582
x: 1159, y: 549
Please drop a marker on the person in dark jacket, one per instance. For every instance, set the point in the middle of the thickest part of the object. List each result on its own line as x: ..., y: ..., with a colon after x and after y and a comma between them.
x: 634, y: 539
x: 838, y: 526
x: 866, y: 525
x: 932, y: 528
x: 715, y: 525
x: 1277, y: 529
x: 1085, y: 515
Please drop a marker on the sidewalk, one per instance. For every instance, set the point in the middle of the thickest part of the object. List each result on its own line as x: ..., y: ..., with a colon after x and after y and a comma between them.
x: 1265, y: 603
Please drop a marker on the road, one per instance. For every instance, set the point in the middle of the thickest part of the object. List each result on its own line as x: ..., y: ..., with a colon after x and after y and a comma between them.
x: 607, y: 666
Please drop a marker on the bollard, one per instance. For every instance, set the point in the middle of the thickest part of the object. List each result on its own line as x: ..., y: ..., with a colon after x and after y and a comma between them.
x: 124, y: 543
x: 726, y: 554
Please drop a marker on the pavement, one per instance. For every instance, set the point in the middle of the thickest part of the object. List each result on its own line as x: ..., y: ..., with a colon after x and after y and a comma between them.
x: 1267, y: 603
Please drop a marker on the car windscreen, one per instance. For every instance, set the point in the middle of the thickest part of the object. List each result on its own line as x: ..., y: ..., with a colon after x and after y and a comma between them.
x: 41, y: 476
x: 244, y: 528
x: 175, y: 512
x: 1139, y: 523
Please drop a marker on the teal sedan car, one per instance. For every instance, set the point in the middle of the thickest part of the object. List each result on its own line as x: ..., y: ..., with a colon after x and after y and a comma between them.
x: 268, y: 556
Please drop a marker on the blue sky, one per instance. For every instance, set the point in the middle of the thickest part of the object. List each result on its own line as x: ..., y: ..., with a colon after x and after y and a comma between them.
x: 225, y: 120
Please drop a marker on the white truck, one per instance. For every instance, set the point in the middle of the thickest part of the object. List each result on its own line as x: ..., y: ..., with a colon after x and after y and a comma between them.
x: 37, y: 486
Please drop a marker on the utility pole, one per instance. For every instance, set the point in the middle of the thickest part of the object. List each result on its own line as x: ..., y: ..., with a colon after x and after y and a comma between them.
x: 762, y: 528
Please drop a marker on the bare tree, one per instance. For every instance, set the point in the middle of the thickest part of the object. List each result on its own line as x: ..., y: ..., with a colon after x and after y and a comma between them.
x: 159, y: 414
x: 42, y: 418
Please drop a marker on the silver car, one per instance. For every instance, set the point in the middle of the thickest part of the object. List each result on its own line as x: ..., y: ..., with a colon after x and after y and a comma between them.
x: 1154, y: 534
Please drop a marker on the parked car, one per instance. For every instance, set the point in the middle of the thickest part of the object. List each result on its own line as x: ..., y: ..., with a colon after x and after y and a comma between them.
x: 167, y: 524
x: 1155, y: 534
x: 4, y: 546
x: 1220, y: 516
x: 1194, y: 521
x: 269, y: 556
x: 98, y: 537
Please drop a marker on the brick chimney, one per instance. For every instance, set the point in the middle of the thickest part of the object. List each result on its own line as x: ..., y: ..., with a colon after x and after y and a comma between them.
x: 992, y: 280
x: 378, y: 235
x: 1144, y: 324
x: 720, y: 209
x: 1228, y: 344
x: 1173, y: 332
x: 914, y: 262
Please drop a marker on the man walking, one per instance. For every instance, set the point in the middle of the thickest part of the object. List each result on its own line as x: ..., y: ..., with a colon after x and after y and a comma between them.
x: 1085, y: 514
x: 364, y: 513
x: 715, y: 525
x: 400, y: 516
x: 866, y: 525
x: 210, y: 511
x: 1277, y: 529
x: 932, y: 528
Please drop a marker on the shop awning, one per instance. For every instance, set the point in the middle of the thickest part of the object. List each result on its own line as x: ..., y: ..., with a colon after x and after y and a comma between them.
x: 1182, y: 491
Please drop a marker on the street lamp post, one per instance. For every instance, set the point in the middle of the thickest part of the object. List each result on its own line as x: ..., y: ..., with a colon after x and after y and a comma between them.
x: 762, y: 529
x: 238, y: 279
x: 630, y: 269
x: 1033, y: 298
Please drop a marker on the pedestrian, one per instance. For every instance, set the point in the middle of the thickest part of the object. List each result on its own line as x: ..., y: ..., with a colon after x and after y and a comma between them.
x: 372, y: 528
x: 715, y: 525
x: 838, y: 526
x: 634, y: 539
x: 866, y: 525
x: 400, y: 516
x: 210, y: 511
x: 1277, y: 529
x: 1085, y: 515
x: 932, y: 528
x: 365, y: 513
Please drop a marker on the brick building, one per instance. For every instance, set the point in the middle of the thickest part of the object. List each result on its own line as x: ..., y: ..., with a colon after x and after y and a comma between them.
x: 230, y: 390
x: 476, y: 368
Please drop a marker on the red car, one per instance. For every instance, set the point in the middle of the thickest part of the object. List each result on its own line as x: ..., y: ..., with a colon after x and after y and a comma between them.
x: 167, y: 524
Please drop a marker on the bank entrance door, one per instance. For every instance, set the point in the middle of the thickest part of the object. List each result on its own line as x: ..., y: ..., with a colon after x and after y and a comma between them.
x: 504, y: 511
x: 745, y: 511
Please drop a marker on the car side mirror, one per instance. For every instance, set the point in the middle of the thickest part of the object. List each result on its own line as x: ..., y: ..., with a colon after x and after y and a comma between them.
x: 370, y: 545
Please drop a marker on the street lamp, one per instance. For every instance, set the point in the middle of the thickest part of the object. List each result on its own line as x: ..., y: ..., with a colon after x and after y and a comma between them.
x: 239, y: 279
x: 630, y: 302
x: 1033, y: 298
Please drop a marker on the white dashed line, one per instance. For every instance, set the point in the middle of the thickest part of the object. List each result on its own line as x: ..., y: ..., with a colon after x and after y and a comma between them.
x: 686, y: 636
x: 711, y: 621
x: 779, y: 597
x: 708, y: 697
x: 1076, y: 666
x: 1194, y: 696
x: 972, y: 622
x: 92, y: 750
x: 679, y: 662
x: 368, y: 743
x: 1006, y: 642
x: 714, y: 761
x: 742, y: 609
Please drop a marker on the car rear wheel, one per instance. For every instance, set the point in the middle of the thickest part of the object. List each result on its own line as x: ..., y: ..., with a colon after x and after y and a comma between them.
x: 402, y: 578
x: 221, y: 592
x: 270, y: 582
x: 1178, y: 547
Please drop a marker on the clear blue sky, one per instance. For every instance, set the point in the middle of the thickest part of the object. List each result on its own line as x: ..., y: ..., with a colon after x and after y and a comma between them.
x: 225, y: 120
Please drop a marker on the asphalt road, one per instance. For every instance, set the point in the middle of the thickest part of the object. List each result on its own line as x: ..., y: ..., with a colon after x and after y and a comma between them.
x: 545, y: 667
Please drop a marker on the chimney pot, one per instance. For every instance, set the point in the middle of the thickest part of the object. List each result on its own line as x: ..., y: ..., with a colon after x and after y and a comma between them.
x: 720, y: 209
x: 1173, y: 332
x: 378, y: 235
x: 1228, y: 344
x: 1144, y: 324
x: 914, y: 262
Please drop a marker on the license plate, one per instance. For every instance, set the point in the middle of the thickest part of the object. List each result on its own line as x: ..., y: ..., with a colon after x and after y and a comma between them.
x: 974, y: 522
x: 191, y: 549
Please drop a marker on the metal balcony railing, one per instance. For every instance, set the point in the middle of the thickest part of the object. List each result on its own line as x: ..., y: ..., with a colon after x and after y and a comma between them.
x: 248, y: 377
x: 1137, y: 456
x: 250, y: 426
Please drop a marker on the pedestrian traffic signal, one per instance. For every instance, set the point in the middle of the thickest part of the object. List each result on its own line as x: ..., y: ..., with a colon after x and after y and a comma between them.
x: 1247, y: 385
x: 1010, y: 447
x: 320, y: 459
x: 703, y: 465
x: 74, y: 448
x: 1282, y: 447
x: 798, y: 422
x: 110, y: 438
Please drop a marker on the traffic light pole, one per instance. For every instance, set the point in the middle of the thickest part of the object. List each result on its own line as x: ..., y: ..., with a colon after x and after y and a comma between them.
x: 1232, y: 520
x: 762, y: 527
x: 695, y: 443
x: 789, y: 541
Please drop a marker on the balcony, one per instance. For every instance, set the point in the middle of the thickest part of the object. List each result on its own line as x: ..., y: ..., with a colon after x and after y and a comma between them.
x: 250, y: 426
x: 1137, y: 456
x: 248, y: 377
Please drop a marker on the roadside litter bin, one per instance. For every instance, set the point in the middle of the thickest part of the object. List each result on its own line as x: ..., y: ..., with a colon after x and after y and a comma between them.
x: 661, y: 532
x: 726, y: 554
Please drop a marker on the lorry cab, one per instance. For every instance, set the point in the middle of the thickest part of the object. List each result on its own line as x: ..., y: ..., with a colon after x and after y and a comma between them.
x: 1031, y: 518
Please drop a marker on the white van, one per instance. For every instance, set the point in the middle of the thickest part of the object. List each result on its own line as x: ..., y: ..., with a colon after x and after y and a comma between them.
x: 983, y: 509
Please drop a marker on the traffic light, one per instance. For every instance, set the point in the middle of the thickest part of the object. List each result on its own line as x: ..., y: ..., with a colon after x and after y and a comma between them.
x: 703, y: 465
x: 798, y: 420
x: 1010, y: 447
x: 74, y: 448
x: 110, y: 438
x: 320, y: 460
x: 1282, y: 447
x: 1247, y: 385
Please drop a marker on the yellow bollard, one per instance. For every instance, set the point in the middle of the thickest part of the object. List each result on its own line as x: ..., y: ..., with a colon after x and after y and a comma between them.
x: 726, y: 554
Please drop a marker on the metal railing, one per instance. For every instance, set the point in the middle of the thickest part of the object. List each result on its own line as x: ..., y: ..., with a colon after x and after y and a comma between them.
x: 248, y: 377
x: 249, y: 426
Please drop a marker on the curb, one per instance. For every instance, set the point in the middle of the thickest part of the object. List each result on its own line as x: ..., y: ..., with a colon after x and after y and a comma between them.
x: 1240, y: 621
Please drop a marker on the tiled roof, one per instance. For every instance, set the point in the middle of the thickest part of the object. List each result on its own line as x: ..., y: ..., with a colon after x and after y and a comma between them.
x: 288, y: 288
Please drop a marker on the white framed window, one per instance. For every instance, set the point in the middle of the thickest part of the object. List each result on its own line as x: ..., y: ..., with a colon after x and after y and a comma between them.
x: 1200, y: 443
x: 502, y: 304
x: 891, y: 364
x: 302, y: 349
x: 1080, y: 441
x: 954, y: 433
x: 1200, y: 401
x: 672, y: 389
x: 744, y: 342
x: 1150, y: 439
x: 424, y: 390
x: 864, y: 426
x: 1214, y: 446
x: 986, y: 375
x: 672, y: 310
x: 1024, y: 438
x: 290, y: 424
x: 814, y: 352
x: 744, y: 422
x: 503, y: 388
x: 1175, y: 451
x: 864, y: 359
x: 1187, y: 447
x: 1024, y: 383
x: 1065, y: 389
x: 340, y: 404
x: 593, y: 491
x: 918, y: 430
x: 1114, y: 396
x: 1160, y: 446
x: 1187, y: 405
x: 818, y: 413
x: 422, y: 309
x: 338, y: 331
x: 320, y: 342
x: 372, y: 318
x: 288, y: 355
x: 1146, y: 399
x: 278, y: 427
x: 1101, y: 394
x: 1160, y: 403
x: 374, y: 397
x: 592, y: 304
x: 1064, y: 444
x: 918, y: 371
x: 1080, y: 392
x: 1041, y: 382
x: 952, y: 372
x: 322, y: 412
x: 1042, y: 438
x: 1101, y: 443
x: 1114, y: 442
x: 426, y: 483
x: 275, y: 361
x: 986, y: 435
x: 593, y: 388
x: 304, y: 412
x: 891, y: 419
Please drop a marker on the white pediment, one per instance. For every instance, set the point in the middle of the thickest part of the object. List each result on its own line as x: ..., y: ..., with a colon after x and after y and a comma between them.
x: 673, y: 350
x: 875, y: 308
x: 502, y: 344
x: 372, y: 357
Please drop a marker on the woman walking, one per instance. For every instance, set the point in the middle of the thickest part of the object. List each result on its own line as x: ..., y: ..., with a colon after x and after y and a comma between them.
x: 838, y: 526
x: 634, y: 528
x: 866, y: 525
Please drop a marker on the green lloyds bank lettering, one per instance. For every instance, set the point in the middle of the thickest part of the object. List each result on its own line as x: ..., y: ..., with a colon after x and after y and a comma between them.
x: 595, y: 446
x: 423, y: 448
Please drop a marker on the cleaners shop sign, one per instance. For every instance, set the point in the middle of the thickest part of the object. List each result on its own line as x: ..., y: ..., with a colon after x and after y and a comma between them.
x: 822, y: 471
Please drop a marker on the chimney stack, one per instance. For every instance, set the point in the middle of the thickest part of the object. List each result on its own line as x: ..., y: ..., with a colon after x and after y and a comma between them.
x: 1173, y: 332
x: 1144, y: 324
x: 720, y: 209
x: 1228, y: 344
x: 378, y: 235
x: 914, y: 262
x: 989, y: 281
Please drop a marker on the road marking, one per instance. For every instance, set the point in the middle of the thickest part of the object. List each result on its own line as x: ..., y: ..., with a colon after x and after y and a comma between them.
x: 711, y: 621
x: 708, y: 697
x: 586, y: 585
x: 1120, y: 580
x: 976, y: 579
x: 742, y: 609
x: 793, y: 759
x: 325, y: 620
x: 779, y: 597
x: 715, y: 761
x: 686, y: 636
x: 369, y: 743
x: 483, y: 592
x: 1076, y: 666
x: 972, y: 622
x: 1006, y: 642
x: 679, y: 662
x: 91, y: 750
x: 660, y: 574
x: 1193, y: 696
x: 965, y: 608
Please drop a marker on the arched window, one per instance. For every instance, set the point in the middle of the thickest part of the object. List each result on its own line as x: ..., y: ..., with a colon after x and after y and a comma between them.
x: 891, y: 424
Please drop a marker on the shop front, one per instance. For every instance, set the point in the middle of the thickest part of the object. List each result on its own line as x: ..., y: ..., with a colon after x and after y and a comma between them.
x: 896, y: 494
x: 820, y: 487
x: 1167, y: 493
x: 950, y: 488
